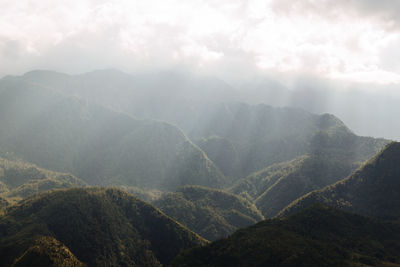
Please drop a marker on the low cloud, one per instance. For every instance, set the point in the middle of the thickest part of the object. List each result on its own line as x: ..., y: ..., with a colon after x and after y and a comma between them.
x: 386, y: 11
x: 232, y: 39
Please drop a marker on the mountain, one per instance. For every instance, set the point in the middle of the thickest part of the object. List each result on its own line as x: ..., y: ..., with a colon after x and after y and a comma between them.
x: 373, y: 190
x: 242, y: 139
x: 47, y: 251
x: 239, y: 138
x: 332, y: 156
x: 209, y: 212
x: 162, y: 95
x: 101, y: 146
x: 353, y: 106
x: 19, y: 180
x: 223, y: 152
x: 253, y: 137
x: 98, y: 227
x: 317, y: 236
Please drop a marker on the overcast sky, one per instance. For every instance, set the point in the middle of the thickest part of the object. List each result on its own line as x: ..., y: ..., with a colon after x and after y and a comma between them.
x: 352, y: 40
x: 328, y: 45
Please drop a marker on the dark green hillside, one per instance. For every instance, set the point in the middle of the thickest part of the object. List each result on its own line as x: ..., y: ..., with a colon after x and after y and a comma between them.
x: 4, y: 202
x: 101, y: 227
x: 332, y: 156
x: 209, y: 212
x: 146, y: 195
x: 47, y: 252
x: 318, y: 236
x: 373, y: 190
x: 19, y: 180
x: 258, y: 182
x: 310, y: 173
x: 102, y: 146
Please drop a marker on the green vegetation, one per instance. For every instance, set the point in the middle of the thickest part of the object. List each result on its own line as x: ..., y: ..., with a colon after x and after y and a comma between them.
x: 239, y: 138
x: 102, y: 146
x: 332, y: 156
x: 101, y: 227
x: 146, y: 195
x: 269, y: 157
x: 56, y: 130
x: 373, y: 190
x: 209, y: 212
x: 19, y: 180
x: 318, y: 236
x: 47, y: 252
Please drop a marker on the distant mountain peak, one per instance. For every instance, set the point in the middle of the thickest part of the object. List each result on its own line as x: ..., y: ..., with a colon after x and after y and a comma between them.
x: 106, y: 72
x: 43, y: 72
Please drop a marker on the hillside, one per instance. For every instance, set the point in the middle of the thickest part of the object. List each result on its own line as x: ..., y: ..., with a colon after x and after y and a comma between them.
x: 19, y: 180
x: 332, y: 156
x: 100, y: 227
x: 209, y: 212
x: 102, y: 146
x: 239, y: 138
x: 373, y: 190
x: 47, y: 252
x: 242, y: 139
x: 317, y: 236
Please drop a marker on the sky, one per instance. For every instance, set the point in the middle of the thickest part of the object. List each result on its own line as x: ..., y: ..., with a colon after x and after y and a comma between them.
x: 335, y: 56
x: 341, y: 40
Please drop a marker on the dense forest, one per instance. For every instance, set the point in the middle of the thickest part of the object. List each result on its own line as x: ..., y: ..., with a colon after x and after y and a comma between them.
x: 19, y: 180
x: 209, y: 212
x: 96, y: 170
x: 100, y: 227
x: 373, y: 190
x: 199, y: 133
x: 317, y: 236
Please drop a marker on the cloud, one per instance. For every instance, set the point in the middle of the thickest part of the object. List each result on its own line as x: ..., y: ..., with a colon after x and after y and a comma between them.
x: 386, y: 11
x: 68, y: 36
x: 230, y: 38
x: 10, y: 49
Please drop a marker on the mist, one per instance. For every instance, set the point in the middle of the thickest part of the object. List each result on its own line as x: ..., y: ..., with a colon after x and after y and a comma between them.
x: 281, y: 53
x: 137, y: 133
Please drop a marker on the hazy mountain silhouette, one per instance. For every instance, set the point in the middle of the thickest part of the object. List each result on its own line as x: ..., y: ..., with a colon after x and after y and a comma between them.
x: 96, y: 144
x: 238, y: 137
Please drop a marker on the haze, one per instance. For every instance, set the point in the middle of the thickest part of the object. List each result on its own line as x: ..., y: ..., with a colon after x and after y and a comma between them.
x: 199, y: 133
x: 339, y: 57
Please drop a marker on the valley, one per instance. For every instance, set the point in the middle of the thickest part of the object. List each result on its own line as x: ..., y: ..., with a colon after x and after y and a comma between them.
x: 90, y: 181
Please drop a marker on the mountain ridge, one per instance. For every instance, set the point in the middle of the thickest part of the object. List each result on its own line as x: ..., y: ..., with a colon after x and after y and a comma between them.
x: 101, y: 227
x: 211, y: 213
x: 105, y: 147
x: 316, y: 236
x: 372, y: 190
